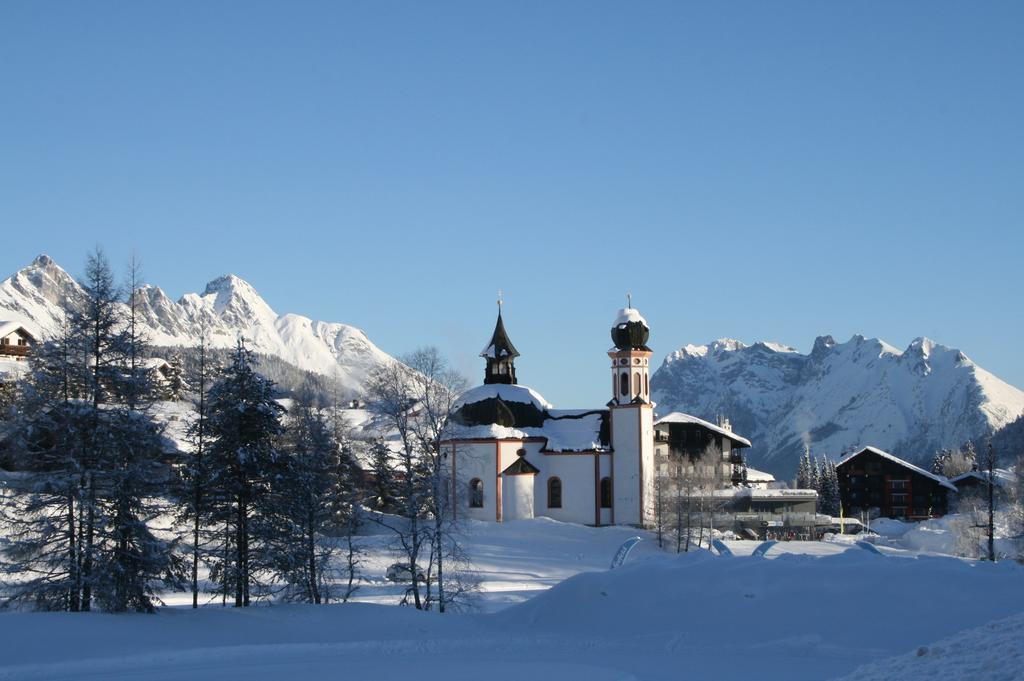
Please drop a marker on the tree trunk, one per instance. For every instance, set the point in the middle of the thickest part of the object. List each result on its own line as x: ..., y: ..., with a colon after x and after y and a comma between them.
x: 73, y: 589
x: 239, y: 550
x: 314, y: 590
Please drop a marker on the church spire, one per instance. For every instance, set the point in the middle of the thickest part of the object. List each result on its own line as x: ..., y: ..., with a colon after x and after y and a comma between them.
x: 500, y: 355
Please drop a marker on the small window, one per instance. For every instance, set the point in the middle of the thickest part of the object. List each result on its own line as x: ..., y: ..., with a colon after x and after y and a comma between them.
x: 5, y: 341
x: 606, y: 492
x: 554, y: 493
x: 647, y: 384
x: 636, y: 383
x: 624, y: 383
x: 476, y: 493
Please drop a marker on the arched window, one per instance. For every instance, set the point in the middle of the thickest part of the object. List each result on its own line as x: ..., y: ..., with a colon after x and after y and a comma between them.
x: 554, y: 493
x: 476, y: 493
x: 647, y: 385
x: 606, y: 492
x: 636, y: 383
x: 624, y: 383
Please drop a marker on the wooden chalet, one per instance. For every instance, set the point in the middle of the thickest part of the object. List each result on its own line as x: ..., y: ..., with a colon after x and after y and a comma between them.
x: 874, y: 481
x: 15, y: 340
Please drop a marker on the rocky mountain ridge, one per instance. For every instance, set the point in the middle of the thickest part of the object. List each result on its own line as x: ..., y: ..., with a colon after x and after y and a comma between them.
x: 837, y: 397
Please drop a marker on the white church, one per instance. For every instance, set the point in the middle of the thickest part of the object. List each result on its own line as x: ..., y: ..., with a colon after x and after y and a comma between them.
x: 514, y: 456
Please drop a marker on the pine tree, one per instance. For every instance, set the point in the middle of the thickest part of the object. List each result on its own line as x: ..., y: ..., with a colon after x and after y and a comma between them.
x: 382, y: 488
x: 194, y: 508
x: 92, y: 453
x: 316, y: 489
x: 804, y: 477
x: 244, y: 464
x: 939, y: 461
x: 829, y: 494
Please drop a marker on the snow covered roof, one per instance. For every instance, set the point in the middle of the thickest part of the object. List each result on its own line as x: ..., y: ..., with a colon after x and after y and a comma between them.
x: 783, y: 494
x: 629, y: 314
x: 521, y: 467
x: 507, y: 392
x: 1001, y: 477
x: 7, y: 328
x: 754, y: 475
x: 941, y: 479
x: 680, y: 417
x: 584, y: 432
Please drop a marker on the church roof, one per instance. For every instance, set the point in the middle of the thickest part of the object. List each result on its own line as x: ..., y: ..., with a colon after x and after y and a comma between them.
x: 521, y: 467
x: 500, y: 345
x: 513, y: 412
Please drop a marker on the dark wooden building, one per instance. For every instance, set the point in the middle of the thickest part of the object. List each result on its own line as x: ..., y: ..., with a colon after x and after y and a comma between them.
x: 15, y: 340
x: 878, y: 482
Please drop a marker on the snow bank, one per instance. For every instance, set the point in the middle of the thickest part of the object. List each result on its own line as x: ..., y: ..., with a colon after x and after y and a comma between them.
x: 831, y: 602
x: 994, y: 652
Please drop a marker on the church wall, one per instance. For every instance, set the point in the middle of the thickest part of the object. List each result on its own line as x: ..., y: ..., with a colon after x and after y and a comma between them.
x: 475, y: 460
x: 577, y: 474
x: 633, y: 444
x: 517, y: 497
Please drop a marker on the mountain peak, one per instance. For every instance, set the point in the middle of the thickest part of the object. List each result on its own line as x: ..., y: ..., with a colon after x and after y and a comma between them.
x: 227, y: 283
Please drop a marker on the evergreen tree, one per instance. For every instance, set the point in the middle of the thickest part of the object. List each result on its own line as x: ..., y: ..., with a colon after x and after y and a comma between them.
x: 79, y: 528
x: 382, y: 490
x: 829, y: 494
x: 194, y: 508
x: 804, y: 477
x: 317, y: 487
x: 245, y: 464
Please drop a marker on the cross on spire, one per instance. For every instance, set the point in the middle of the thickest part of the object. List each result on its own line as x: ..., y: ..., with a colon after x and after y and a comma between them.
x: 500, y: 301
x: 629, y: 299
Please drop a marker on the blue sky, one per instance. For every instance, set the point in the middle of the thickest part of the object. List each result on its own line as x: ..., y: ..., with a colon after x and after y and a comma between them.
x: 763, y: 171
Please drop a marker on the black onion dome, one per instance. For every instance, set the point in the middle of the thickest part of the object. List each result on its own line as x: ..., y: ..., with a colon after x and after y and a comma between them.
x: 630, y: 330
x: 510, y: 406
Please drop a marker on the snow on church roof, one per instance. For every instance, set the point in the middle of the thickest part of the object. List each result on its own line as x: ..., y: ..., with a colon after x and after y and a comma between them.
x: 942, y: 480
x: 629, y: 314
x: 507, y: 392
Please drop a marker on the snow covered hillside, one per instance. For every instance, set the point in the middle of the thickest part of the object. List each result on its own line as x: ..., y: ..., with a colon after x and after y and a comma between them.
x: 838, y: 397
x: 228, y: 305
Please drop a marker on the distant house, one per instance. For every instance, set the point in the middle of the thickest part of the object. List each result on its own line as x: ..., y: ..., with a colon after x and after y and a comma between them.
x: 876, y: 482
x: 774, y: 514
x: 681, y: 440
x: 976, y: 482
x: 15, y: 341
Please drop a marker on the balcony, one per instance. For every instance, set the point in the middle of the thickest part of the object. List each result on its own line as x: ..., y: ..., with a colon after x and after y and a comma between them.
x: 14, y: 350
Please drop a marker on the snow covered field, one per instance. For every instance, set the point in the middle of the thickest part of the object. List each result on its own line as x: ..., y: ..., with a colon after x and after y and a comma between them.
x: 810, y: 610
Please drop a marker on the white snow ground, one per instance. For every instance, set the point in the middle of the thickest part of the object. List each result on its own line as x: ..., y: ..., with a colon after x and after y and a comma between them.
x: 810, y: 610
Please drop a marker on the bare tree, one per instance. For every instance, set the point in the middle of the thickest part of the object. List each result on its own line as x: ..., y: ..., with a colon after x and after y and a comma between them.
x: 415, y: 399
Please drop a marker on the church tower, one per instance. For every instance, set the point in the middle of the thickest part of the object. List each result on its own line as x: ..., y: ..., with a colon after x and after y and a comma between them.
x: 632, y: 420
x: 500, y: 355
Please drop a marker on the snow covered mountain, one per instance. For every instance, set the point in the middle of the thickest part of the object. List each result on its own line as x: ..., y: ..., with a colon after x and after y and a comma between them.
x: 838, y: 397
x: 229, y: 306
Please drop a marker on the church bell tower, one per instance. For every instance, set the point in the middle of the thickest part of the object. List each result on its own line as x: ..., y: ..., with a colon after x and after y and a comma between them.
x: 632, y: 420
x: 500, y: 355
